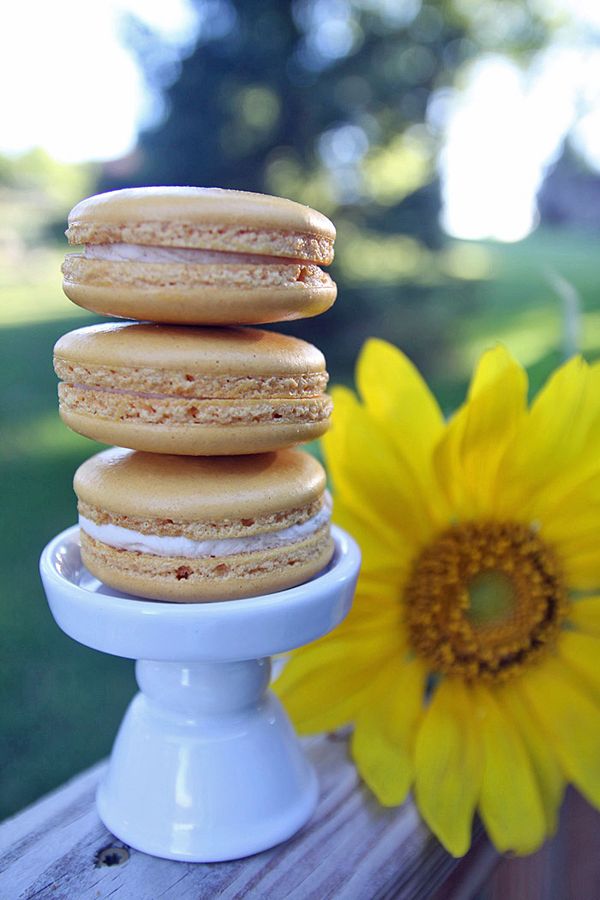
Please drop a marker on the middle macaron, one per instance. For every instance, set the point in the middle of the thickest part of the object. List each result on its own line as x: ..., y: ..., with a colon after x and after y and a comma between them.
x: 191, y: 391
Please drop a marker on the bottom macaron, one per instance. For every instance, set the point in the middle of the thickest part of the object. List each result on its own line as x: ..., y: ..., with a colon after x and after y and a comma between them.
x: 191, y: 529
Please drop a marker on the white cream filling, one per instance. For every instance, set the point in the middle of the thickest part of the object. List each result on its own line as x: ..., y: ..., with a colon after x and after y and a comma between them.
x: 141, y: 253
x: 162, y: 545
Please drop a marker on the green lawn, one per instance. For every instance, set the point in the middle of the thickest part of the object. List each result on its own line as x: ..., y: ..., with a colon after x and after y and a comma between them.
x: 60, y: 703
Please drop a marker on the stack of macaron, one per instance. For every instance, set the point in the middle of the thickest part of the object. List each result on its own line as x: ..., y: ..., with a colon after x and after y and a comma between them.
x: 205, y: 496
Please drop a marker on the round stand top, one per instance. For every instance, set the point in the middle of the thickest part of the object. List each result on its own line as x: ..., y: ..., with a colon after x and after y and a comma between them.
x: 114, y: 622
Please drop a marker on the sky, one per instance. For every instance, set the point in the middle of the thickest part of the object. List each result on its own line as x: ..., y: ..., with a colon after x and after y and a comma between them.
x: 71, y: 86
x: 505, y: 129
x: 73, y: 89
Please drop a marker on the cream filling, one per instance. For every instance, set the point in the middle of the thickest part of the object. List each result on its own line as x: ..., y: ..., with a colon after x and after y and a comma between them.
x: 141, y: 253
x: 162, y: 545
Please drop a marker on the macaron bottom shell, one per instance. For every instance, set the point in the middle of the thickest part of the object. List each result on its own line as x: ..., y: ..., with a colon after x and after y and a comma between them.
x: 178, y: 303
x: 187, y: 580
x: 195, y: 439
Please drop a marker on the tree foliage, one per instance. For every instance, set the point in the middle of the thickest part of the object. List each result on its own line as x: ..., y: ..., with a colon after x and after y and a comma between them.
x: 326, y: 102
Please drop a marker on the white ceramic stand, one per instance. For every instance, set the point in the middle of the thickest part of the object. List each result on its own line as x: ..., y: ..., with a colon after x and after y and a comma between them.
x: 206, y: 766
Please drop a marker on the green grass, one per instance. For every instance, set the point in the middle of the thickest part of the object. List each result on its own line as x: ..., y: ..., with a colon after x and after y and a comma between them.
x: 60, y: 703
x: 519, y: 306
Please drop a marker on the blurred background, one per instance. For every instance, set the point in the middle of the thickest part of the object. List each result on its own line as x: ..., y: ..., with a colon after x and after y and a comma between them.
x: 455, y: 144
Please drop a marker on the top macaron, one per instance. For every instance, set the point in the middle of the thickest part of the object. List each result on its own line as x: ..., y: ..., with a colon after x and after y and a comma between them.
x: 199, y: 256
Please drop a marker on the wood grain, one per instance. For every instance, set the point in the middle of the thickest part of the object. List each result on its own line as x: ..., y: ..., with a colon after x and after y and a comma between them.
x: 353, y: 849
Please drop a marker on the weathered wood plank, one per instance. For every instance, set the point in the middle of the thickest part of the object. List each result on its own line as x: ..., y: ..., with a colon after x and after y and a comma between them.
x: 565, y: 868
x: 352, y: 849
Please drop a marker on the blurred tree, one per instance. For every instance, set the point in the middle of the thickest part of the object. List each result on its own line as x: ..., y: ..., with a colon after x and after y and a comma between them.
x: 570, y: 195
x: 326, y: 102
x: 36, y: 193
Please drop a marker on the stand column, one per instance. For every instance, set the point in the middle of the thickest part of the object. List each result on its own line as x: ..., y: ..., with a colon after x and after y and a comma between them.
x: 206, y: 766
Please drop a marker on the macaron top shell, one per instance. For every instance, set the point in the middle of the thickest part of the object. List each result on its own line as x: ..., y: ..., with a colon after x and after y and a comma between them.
x: 201, y: 351
x: 203, y: 489
x: 188, y: 216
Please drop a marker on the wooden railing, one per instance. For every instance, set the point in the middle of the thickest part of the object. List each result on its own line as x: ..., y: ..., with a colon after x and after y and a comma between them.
x: 351, y: 850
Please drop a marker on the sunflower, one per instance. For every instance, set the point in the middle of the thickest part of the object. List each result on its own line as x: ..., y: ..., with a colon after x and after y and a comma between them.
x: 469, y: 664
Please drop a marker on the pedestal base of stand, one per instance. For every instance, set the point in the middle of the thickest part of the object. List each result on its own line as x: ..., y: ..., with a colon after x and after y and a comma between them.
x: 199, y: 774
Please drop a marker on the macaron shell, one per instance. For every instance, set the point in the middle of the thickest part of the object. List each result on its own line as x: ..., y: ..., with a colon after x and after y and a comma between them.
x: 199, y: 488
x: 194, y: 440
x: 200, y: 206
x: 178, y: 301
x: 208, y: 351
x: 178, y: 579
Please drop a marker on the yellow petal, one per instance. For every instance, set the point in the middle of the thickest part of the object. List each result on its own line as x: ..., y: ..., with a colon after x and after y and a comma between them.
x: 588, y: 459
x: 448, y: 766
x: 585, y: 614
x: 578, y: 459
x: 468, y: 457
x: 547, y: 771
x: 325, y: 684
x: 582, y: 569
x: 373, y: 616
x: 581, y: 652
x: 510, y: 803
x: 396, y: 395
x: 571, y: 520
x: 371, y: 476
x: 574, y: 526
x: 383, y: 550
x: 551, y: 440
x: 382, y: 744
x: 570, y: 720
x: 375, y: 592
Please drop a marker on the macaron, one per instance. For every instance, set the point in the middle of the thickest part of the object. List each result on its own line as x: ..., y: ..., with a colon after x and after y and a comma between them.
x: 199, y: 256
x: 191, y: 391
x: 191, y: 529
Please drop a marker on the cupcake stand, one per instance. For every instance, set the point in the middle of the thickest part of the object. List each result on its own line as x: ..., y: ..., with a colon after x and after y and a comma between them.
x: 206, y: 766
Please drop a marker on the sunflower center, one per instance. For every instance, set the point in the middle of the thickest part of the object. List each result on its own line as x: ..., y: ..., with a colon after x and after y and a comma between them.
x: 491, y: 597
x: 485, y: 599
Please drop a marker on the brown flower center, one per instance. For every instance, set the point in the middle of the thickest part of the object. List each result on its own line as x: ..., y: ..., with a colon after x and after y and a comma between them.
x: 484, y: 599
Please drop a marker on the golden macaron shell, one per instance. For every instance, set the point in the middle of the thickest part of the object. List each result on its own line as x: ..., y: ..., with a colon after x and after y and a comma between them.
x: 192, y: 391
x: 199, y: 256
x: 190, y: 529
